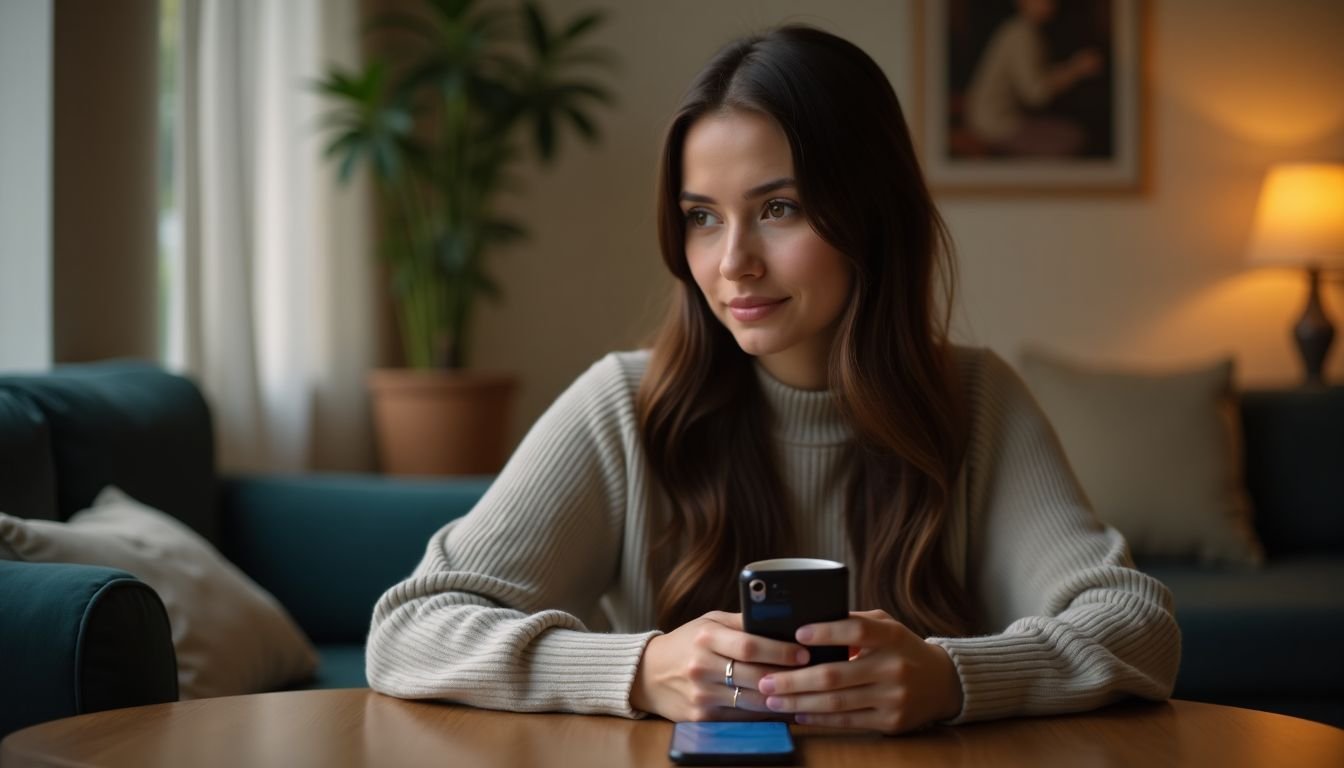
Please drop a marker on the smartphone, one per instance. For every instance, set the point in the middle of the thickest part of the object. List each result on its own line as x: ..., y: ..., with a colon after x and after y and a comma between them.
x: 719, y: 743
x: 779, y: 596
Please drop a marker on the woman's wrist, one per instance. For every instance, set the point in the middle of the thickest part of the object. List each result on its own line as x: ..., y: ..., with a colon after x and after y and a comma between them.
x: 954, y: 698
x: 641, y: 689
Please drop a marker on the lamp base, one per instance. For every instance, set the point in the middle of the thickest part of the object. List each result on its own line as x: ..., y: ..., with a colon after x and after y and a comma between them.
x: 1314, y: 333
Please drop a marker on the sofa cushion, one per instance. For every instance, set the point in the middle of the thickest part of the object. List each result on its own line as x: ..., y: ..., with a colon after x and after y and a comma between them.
x: 1157, y: 452
x: 230, y: 636
x: 27, y: 480
x: 1277, y: 630
x: 342, y: 667
x: 1295, y: 467
x: 131, y: 425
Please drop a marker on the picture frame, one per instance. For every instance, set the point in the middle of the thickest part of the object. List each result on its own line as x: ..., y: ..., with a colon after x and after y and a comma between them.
x: 1032, y: 96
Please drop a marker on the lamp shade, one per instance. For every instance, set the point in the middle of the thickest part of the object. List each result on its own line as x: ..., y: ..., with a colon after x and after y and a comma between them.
x: 1300, y: 219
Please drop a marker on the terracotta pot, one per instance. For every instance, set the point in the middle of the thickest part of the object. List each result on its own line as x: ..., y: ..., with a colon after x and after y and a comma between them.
x: 441, y: 422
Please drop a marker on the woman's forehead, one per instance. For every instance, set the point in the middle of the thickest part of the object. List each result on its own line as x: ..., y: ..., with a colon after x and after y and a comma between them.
x: 734, y: 151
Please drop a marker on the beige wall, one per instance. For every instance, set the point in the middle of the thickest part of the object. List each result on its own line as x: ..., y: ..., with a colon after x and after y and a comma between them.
x: 104, y: 180
x: 1153, y: 279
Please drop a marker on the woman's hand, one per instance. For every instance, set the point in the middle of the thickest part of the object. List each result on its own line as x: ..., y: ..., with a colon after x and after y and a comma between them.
x: 681, y: 675
x: 893, y: 681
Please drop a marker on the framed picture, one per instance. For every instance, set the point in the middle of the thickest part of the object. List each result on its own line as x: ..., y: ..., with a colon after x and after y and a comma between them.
x: 1037, y: 96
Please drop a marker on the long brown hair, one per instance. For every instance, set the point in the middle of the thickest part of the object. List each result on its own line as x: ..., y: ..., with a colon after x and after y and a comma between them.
x: 702, y: 416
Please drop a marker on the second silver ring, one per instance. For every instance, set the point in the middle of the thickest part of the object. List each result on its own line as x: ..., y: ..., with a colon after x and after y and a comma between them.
x: 728, y: 674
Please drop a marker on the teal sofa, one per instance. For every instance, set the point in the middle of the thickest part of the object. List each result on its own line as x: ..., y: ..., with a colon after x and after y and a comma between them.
x: 77, y: 639
x: 1272, y: 638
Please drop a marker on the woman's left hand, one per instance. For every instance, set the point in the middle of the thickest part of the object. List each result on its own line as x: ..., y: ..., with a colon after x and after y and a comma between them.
x: 893, y: 681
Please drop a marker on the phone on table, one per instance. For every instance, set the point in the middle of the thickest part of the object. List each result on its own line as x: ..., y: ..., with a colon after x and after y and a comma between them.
x: 778, y: 596
x: 732, y: 743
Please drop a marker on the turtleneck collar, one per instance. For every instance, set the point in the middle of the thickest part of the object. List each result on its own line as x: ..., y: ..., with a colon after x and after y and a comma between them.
x: 802, y: 416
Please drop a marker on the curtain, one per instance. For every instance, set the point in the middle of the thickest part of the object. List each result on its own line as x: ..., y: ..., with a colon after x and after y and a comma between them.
x: 275, y: 317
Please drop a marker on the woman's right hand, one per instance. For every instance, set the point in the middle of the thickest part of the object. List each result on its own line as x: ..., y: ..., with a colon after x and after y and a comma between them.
x: 681, y: 674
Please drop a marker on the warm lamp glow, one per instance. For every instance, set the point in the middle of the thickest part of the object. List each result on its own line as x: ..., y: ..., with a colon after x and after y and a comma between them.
x: 1300, y: 219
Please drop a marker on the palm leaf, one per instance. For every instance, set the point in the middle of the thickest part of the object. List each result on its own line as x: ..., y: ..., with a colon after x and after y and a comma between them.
x: 501, y: 231
x: 582, y: 123
x: 583, y: 24
x: 583, y: 88
x: 536, y: 29
x: 545, y: 135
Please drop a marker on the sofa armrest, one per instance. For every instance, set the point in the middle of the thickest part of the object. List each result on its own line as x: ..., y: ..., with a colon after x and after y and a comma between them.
x: 77, y: 639
x: 328, y: 545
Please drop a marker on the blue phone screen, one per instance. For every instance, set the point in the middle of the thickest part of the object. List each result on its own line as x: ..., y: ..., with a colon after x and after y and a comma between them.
x: 771, y: 738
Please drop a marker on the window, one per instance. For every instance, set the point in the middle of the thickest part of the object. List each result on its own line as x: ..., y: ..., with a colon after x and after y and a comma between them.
x: 171, y: 344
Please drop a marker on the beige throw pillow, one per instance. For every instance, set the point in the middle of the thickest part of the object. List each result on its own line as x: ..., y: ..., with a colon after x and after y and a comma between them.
x: 230, y: 635
x: 1159, y: 454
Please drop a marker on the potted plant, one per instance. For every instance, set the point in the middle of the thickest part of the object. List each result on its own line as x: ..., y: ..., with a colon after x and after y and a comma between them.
x: 439, y: 126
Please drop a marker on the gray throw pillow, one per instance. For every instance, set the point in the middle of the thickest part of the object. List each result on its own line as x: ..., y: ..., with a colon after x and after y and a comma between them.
x: 230, y: 635
x: 1159, y: 454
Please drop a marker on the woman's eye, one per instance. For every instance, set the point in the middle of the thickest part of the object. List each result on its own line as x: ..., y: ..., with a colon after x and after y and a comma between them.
x: 778, y: 209
x: 698, y: 217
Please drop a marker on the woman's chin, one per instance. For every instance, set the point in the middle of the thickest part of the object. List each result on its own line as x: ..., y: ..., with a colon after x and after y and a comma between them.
x: 753, y: 344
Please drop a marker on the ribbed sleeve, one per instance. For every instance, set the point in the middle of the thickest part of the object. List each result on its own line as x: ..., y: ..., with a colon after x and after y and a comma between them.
x: 491, y: 617
x: 539, y: 600
x: 1072, y: 625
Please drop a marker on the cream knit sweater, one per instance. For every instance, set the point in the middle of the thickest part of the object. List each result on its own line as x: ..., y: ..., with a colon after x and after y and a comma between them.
x: 539, y: 600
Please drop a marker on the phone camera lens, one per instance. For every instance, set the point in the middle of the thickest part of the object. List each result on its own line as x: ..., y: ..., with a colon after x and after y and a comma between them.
x: 757, y: 588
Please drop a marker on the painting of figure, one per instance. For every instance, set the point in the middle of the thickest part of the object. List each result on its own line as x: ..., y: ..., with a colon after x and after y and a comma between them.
x: 1031, y: 94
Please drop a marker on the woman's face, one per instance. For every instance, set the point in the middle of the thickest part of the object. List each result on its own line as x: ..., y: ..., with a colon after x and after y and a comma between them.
x: 766, y: 274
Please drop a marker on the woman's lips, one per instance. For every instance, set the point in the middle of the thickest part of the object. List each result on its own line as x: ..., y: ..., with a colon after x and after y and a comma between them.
x: 753, y: 310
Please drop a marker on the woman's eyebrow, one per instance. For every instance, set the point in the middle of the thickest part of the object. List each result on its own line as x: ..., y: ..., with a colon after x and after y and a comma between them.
x: 754, y: 192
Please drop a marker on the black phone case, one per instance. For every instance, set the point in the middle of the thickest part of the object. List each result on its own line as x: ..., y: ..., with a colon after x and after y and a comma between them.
x: 795, y: 598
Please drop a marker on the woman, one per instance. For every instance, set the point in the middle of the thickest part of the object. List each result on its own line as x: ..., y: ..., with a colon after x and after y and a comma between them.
x: 801, y: 399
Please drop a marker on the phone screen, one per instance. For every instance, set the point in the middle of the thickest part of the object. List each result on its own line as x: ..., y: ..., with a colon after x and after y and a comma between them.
x: 731, y: 743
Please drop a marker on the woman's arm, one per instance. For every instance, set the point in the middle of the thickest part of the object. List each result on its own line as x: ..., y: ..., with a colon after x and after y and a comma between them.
x: 1073, y: 624
x: 494, y: 615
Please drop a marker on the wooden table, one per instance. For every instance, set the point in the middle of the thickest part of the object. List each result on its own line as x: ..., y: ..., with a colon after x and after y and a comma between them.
x: 334, y: 728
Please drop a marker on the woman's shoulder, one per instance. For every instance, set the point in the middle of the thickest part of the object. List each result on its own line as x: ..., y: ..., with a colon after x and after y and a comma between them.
x: 620, y: 371
x: 609, y: 385
x: 973, y: 361
x: 629, y: 364
x: 985, y: 377
x: 601, y: 402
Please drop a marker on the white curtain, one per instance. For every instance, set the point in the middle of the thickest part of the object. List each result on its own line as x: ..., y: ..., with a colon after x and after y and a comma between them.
x: 276, y: 311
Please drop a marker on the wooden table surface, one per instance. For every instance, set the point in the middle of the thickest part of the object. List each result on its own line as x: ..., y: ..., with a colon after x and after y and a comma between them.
x: 335, y: 728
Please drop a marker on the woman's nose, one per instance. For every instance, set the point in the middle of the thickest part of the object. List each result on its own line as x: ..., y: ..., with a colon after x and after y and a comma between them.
x: 742, y: 254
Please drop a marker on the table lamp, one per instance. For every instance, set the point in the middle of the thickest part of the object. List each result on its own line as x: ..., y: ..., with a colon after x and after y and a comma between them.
x: 1299, y: 223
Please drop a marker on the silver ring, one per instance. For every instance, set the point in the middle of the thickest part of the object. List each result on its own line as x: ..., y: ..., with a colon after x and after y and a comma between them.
x: 736, y: 692
x: 728, y: 674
